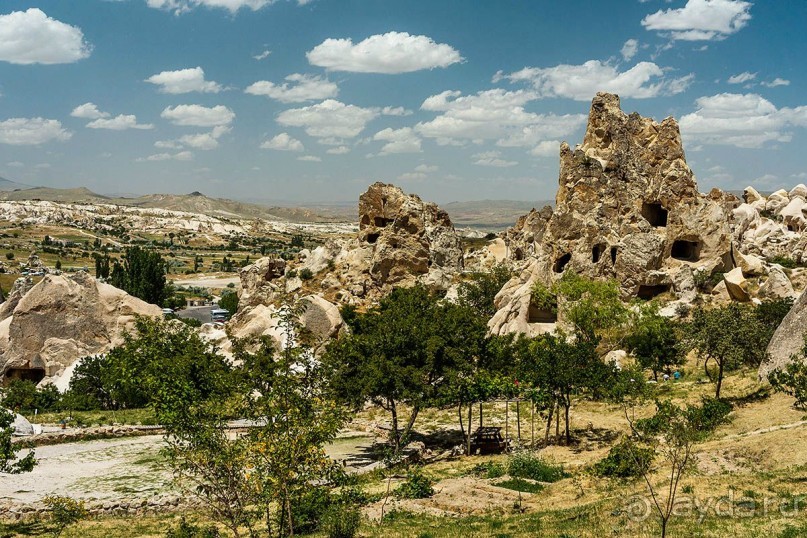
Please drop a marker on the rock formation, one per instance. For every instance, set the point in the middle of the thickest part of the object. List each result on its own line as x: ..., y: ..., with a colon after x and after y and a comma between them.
x: 627, y: 208
x: 62, y: 319
x: 788, y: 340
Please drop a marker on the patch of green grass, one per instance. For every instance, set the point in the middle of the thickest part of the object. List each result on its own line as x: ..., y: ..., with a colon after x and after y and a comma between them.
x: 519, y: 484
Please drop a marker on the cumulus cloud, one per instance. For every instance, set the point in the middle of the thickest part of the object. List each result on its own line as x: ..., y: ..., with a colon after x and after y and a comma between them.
x: 201, y: 141
x: 88, y: 111
x: 582, y: 82
x: 493, y: 115
x: 32, y: 131
x: 263, y: 55
x: 547, y: 148
x: 297, y: 89
x: 398, y: 141
x: 492, y: 158
x: 283, y: 142
x: 31, y: 37
x: 390, y: 53
x: 180, y: 156
x: 743, y: 120
x: 184, y: 81
x: 181, y: 6
x: 329, y: 119
x: 198, y: 115
x: 776, y: 82
x: 700, y: 20
x: 338, y: 150
x: 742, y: 78
x: 15, y: 164
x: 309, y: 158
x: 120, y: 122
x: 629, y: 49
x: 426, y: 168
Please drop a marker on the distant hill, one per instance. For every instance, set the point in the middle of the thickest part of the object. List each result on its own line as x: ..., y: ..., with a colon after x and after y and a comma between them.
x: 194, y: 202
x: 8, y: 185
x: 490, y: 214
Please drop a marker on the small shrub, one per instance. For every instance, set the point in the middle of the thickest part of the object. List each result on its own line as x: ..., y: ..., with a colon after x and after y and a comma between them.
x: 527, y: 465
x: 792, y: 380
x: 342, y: 522
x: 543, y: 298
x: 64, y: 512
x: 625, y: 460
x: 490, y: 469
x: 784, y: 261
x: 9, y: 255
x: 417, y: 486
x: 306, y: 274
x: 292, y: 273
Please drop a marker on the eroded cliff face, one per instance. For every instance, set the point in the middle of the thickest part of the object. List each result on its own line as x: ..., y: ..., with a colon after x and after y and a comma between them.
x: 627, y: 208
x: 62, y: 319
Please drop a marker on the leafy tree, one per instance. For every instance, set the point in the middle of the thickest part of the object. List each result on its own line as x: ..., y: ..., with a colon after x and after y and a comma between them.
x: 792, y: 379
x: 9, y: 460
x: 729, y: 337
x: 770, y: 315
x: 58, y: 265
x: 478, y: 292
x: 91, y: 386
x: 141, y: 274
x: 64, y: 512
x: 102, y: 265
x: 592, y: 307
x: 229, y: 301
x: 408, y: 350
x: 654, y: 340
x: 24, y: 396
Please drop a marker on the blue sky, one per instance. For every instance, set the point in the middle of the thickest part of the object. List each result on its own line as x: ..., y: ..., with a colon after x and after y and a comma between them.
x: 312, y: 100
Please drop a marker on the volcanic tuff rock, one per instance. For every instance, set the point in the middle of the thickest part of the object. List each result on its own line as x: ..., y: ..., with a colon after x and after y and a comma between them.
x: 62, y: 319
x: 627, y: 208
x: 788, y: 339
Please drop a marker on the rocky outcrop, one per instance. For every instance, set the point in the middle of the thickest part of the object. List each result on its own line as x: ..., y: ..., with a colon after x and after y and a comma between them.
x: 627, y: 208
x: 62, y: 319
x: 772, y: 226
x: 788, y: 340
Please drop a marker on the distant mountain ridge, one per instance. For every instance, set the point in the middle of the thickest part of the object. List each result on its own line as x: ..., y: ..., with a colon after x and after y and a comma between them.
x: 8, y: 185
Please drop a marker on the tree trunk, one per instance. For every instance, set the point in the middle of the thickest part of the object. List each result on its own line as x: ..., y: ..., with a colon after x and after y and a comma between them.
x: 518, y: 420
x: 549, y: 423
x: 719, y: 379
x: 396, y: 438
x: 507, y: 421
x: 663, y: 528
x: 480, y: 414
x: 567, y: 404
x: 470, y: 413
x: 462, y: 426
x: 410, y: 424
x: 557, y: 422
x: 532, y: 425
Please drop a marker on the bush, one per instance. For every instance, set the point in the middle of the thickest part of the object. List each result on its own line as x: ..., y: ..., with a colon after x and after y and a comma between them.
x: 188, y: 530
x: 625, y: 460
x: 305, y: 274
x: 22, y: 395
x: 784, y: 261
x: 342, y: 522
x: 527, y: 465
x: 792, y: 380
x: 309, y: 509
x: 490, y: 469
x: 64, y: 511
x: 417, y: 486
x: 519, y: 484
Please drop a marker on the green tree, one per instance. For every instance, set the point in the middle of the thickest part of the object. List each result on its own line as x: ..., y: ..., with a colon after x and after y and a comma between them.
x: 229, y: 301
x: 792, y: 379
x: 729, y: 337
x: 480, y: 290
x: 64, y: 512
x: 10, y: 462
x: 58, y: 265
x: 141, y: 274
x: 407, y: 350
x: 653, y: 340
x: 593, y: 308
x: 102, y: 265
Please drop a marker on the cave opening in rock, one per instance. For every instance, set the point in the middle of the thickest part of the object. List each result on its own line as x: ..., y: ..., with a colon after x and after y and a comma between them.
x: 688, y: 251
x: 34, y: 375
x: 518, y: 254
x: 655, y: 214
x: 561, y: 263
x: 381, y: 222
x: 596, y: 252
x: 372, y: 238
x: 648, y: 292
x: 614, y: 252
x: 537, y: 314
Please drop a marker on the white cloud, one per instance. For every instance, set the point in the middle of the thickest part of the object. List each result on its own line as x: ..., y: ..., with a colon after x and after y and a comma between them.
x: 31, y: 37
x: 298, y: 89
x: 582, y: 82
x: 198, y: 116
x: 629, y: 49
x: 88, y: 111
x: 395, y: 111
x: 32, y: 131
x: 201, y: 141
x: 43, y: 166
x: 181, y: 6
x: 412, y: 176
x: 309, y: 158
x: 493, y: 115
x: 426, y: 168
x: 398, y: 141
x: 547, y: 148
x: 776, y: 82
x: 329, y: 119
x: 283, y: 142
x: 390, y: 53
x: 184, y: 81
x: 120, y: 122
x: 742, y: 78
x: 181, y: 156
x: 15, y: 164
x: 743, y: 120
x: 263, y: 55
x: 492, y: 158
x: 700, y: 20
x: 338, y: 150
